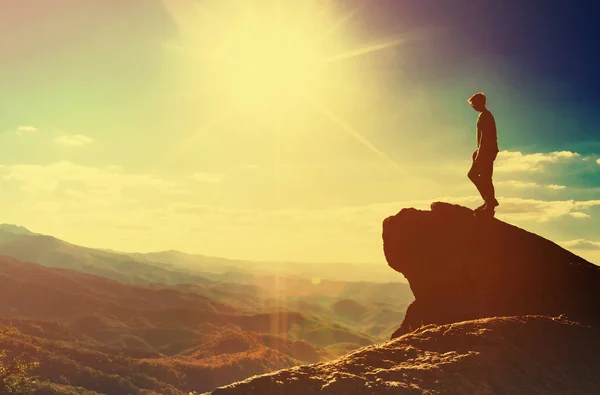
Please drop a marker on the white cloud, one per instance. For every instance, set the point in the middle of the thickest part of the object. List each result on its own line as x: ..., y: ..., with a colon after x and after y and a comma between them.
x: 522, y: 184
x: 555, y: 187
x: 319, y: 234
x: 531, y: 210
x: 577, y: 214
x: 208, y: 178
x: 515, y: 161
x: 588, y: 203
x: 107, y: 181
x: 369, y: 216
x: 73, y: 140
x: 112, y: 205
x: 581, y: 244
x: 22, y: 130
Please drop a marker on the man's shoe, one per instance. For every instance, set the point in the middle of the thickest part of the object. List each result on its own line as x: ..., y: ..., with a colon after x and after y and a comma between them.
x: 493, y: 203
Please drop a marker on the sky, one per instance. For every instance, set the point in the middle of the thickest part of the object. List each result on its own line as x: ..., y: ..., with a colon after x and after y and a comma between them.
x: 289, y: 131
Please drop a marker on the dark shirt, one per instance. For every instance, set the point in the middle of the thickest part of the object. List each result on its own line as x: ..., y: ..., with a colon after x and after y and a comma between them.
x: 487, y: 137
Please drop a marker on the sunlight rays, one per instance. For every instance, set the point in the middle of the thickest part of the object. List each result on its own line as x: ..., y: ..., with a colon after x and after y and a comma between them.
x: 365, y: 51
x: 182, y: 146
x: 209, y: 16
x: 352, y: 132
x: 266, y: 62
x: 342, y: 21
x: 186, y: 14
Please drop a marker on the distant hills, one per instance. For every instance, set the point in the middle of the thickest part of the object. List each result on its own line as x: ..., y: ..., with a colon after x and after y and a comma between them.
x: 489, y: 298
x: 101, y: 321
x: 497, y: 310
x: 171, y: 267
x: 15, y: 229
x: 75, y: 323
x: 49, y: 251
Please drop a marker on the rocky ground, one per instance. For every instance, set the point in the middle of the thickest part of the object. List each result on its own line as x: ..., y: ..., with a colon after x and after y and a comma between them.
x: 510, y: 355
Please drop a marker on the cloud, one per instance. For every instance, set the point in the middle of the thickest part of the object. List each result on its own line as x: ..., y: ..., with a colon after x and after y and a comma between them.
x: 555, y: 187
x: 208, y: 178
x: 22, y: 130
x: 531, y: 210
x: 581, y: 244
x: 320, y: 234
x: 578, y: 214
x: 99, y: 181
x: 515, y: 161
x: 371, y: 216
x: 522, y: 184
x: 94, y: 207
x: 73, y: 140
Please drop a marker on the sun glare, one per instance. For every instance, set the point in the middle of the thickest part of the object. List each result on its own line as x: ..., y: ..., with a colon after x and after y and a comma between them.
x: 265, y: 68
x: 268, y: 58
x: 272, y: 61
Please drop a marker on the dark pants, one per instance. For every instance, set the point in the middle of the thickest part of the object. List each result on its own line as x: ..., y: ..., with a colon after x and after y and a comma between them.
x: 481, y: 175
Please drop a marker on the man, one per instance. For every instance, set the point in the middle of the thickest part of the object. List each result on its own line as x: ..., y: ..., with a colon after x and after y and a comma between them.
x: 487, y: 150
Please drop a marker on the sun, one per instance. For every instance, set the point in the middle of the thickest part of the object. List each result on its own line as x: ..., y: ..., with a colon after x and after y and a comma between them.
x: 264, y: 68
x: 269, y: 59
x: 274, y: 63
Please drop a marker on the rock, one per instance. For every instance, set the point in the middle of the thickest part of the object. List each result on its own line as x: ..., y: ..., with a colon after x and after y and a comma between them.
x: 497, y: 310
x: 461, y: 268
x: 508, y: 355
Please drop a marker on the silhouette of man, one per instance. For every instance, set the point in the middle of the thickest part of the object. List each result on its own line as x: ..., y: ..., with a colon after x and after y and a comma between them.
x: 487, y: 149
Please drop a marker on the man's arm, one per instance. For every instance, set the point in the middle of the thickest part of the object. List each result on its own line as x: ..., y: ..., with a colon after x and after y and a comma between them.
x: 479, y: 140
x: 483, y: 132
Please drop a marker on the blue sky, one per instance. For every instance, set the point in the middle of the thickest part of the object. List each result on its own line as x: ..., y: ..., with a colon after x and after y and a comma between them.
x: 547, y: 52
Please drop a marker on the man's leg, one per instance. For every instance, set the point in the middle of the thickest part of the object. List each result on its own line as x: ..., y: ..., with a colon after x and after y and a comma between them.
x: 487, y: 185
x: 475, y: 177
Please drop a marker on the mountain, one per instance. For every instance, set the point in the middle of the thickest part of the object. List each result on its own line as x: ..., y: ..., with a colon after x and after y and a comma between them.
x: 257, y: 286
x: 336, y: 271
x: 7, y: 229
x: 460, y: 267
x: 105, y: 336
x: 171, y: 322
x: 52, y: 252
x: 497, y: 310
x: 525, y: 355
x: 170, y: 267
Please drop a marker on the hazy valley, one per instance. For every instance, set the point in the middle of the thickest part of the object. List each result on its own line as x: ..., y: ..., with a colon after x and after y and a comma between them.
x: 171, y: 323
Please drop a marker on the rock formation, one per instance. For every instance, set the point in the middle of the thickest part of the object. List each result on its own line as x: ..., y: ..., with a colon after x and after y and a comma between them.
x: 497, y: 310
x: 460, y: 268
x: 525, y: 355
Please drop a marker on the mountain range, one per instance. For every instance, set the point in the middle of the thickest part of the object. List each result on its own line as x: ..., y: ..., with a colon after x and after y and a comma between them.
x: 101, y: 321
x: 497, y: 310
x: 489, y: 308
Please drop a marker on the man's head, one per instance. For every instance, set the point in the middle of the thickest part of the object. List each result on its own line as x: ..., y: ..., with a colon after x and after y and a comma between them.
x: 477, y: 101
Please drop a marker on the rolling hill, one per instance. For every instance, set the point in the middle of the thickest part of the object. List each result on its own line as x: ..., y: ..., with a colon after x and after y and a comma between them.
x: 85, y: 329
x: 171, y: 267
x: 172, y: 322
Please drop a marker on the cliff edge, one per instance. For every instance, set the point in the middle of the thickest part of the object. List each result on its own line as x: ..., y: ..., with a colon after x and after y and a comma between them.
x: 497, y: 310
x: 461, y: 268
x: 528, y: 355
